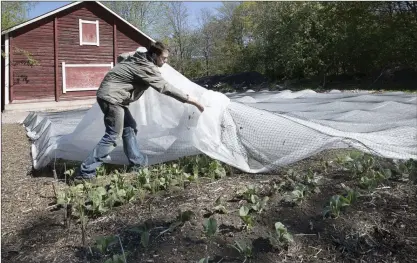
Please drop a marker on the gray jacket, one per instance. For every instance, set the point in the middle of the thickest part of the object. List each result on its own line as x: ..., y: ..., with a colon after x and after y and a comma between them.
x: 135, y: 73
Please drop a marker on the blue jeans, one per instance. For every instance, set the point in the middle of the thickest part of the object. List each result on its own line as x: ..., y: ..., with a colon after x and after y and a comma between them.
x: 118, y: 122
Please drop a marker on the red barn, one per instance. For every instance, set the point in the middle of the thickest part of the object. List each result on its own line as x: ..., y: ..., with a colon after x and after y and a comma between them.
x: 74, y: 47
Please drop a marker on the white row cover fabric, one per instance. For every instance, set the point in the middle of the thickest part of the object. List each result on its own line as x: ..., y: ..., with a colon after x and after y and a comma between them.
x: 255, y: 132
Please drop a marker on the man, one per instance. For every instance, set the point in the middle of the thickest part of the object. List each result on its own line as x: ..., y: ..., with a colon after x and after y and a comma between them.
x: 123, y: 84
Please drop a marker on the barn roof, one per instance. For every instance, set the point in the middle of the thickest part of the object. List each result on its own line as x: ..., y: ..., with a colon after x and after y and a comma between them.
x: 69, y: 6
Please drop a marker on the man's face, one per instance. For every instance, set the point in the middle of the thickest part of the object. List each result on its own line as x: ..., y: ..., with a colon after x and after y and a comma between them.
x: 162, y: 59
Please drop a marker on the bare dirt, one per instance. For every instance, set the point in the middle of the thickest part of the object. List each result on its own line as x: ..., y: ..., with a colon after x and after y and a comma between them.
x: 379, y: 227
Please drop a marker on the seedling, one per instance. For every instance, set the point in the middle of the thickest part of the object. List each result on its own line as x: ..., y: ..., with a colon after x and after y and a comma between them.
x: 97, y: 198
x: 299, y: 193
x: 101, y: 171
x: 182, y: 217
x: 216, y: 170
x: 246, y: 217
x: 116, y: 259
x: 103, y: 243
x: 185, y: 216
x: 372, y: 178
x: 281, y: 236
x: 144, y: 233
x: 219, y: 206
x: 244, y: 248
x: 311, y: 180
x: 69, y: 173
x: 247, y: 192
x: 338, y: 203
x: 406, y: 170
x: 258, y: 203
x: 210, y: 227
x: 204, y: 260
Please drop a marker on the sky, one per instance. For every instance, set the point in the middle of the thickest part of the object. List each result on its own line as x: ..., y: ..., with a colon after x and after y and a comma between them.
x: 193, y: 8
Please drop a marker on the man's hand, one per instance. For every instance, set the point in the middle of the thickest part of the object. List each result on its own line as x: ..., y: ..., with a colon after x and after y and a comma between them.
x: 193, y: 101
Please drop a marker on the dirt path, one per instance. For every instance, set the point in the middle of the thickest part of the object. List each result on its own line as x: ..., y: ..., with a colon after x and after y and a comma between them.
x: 380, y: 227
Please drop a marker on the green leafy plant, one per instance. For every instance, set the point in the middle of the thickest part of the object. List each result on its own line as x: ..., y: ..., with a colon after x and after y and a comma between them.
x: 75, y: 197
x: 247, y: 192
x: 210, y: 227
x: 69, y: 173
x: 244, y: 248
x: 97, y: 198
x: 338, y: 203
x: 216, y: 170
x: 144, y: 233
x: 204, y: 260
x: 219, y: 206
x: 101, y: 170
x: 102, y: 244
x: 311, y: 180
x: 373, y: 178
x: 280, y: 236
x: 406, y: 170
x: 120, y: 192
x: 299, y: 193
x: 246, y: 217
x: 116, y: 259
x: 181, y: 218
x: 258, y: 204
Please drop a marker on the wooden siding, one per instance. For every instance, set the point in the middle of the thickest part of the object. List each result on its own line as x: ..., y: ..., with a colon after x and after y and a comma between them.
x: 70, y: 50
x: 32, y: 82
x: 128, y: 39
x: 39, y: 38
x: 3, y: 69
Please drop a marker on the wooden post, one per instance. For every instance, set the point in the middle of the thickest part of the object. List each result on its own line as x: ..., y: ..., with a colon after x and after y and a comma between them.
x: 114, y: 43
x: 56, y: 58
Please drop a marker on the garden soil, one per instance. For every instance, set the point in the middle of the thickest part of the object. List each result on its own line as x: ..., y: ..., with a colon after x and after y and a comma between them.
x: 379, y: 227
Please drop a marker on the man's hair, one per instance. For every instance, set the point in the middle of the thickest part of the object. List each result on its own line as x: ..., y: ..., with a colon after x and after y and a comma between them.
x: 157, y: 48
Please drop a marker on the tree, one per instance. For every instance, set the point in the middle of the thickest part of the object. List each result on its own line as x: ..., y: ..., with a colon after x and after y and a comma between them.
x: 13, y: 13
x: 176, y: 17
x: 208, y: 29
x: 144, y: 15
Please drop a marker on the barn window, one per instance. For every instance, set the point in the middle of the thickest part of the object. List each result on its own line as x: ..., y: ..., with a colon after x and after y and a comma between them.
x: 89, y: 33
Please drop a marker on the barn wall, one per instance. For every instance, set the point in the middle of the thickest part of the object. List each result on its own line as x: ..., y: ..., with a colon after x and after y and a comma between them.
x: 70, y: 50
x: 33, y: 82
x: 38, y: 82
x: 3, y: 68
x: 129, y: 40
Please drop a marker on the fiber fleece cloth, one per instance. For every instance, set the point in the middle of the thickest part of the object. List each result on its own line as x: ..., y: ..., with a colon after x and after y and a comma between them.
x: 252, y: 131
